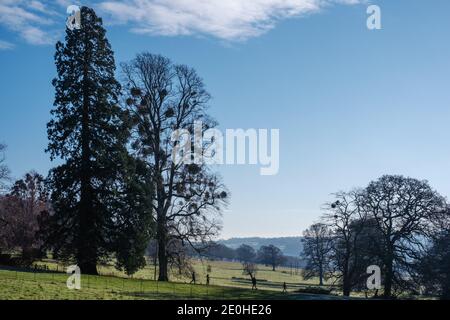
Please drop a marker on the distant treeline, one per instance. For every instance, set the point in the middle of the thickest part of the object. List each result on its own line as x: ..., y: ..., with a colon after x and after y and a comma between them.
x: 246, y: 253
x: 291, y: 246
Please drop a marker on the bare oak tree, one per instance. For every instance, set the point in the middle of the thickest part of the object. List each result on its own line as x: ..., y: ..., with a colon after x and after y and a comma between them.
x: 317, y: 251
x: 164, y: 98
x: 346, y: 220
x: 404, y: 210
x: 245, y: 253
x: 271, y: 255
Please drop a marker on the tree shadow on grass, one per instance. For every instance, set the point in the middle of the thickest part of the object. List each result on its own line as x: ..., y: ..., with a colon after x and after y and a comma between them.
x: 227, y: 294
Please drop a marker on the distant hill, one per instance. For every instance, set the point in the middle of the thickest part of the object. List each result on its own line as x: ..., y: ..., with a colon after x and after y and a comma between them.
x: 291, y: 246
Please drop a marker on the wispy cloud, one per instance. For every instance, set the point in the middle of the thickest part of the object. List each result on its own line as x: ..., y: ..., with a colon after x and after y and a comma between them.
x: 230, y: 20
x: 31, y: 19
x: 39, y: 22
x: 4, y: 45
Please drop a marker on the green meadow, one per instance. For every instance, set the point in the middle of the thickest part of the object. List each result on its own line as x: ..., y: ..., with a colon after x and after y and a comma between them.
x: 227, y: 282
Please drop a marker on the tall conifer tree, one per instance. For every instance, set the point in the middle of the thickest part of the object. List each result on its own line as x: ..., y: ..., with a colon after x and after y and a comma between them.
x: 98, y: 193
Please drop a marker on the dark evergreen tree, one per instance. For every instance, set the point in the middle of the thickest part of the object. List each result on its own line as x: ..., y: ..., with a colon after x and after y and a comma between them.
x: 98, y: 193
x: 131, y: 227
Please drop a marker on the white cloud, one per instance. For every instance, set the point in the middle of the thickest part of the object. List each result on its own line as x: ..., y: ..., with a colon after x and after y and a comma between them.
x: 36, y: 36
x: 4, y: 45
x: 37, y: 5
x: 31, y: 19
x: 224, y: 19
x: 66, y: 3
x: 39, y: 22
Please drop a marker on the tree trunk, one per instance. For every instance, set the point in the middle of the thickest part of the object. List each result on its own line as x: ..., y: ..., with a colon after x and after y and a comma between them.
x: 88, y: 267
x: 320, y: 276
x: 346, y: 289
x: 346, y: 285
x: 87, y: 244
x: 155, y: 261
x: 87, y: 248
x: 161, y: 235
x: 388, y: 278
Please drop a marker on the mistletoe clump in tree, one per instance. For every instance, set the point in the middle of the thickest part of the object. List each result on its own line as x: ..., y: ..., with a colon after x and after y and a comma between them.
x: 100, y: 193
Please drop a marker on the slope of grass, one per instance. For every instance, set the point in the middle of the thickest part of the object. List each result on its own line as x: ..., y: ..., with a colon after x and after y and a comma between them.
x: 231, y: 274
x: 19, y: 285
x: 222, y: 274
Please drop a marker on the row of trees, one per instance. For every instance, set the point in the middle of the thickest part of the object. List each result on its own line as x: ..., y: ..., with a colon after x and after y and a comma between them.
x: 399, y: 224
x: 268, y: 255
x: 181, y: 257
x: 118, y: 185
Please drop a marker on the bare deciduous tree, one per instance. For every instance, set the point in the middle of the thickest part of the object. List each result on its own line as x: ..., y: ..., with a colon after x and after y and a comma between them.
x: 271, y: 255
x: 317, y: 251
x: 179, y: 258
x: 4, y: 170
x: 4, y: 176
x: 164, y: 98
x: 20, y: 210
x: 250, y: 269
x: 245, y: 253
x: 347, y: 222
x: 403, y: 210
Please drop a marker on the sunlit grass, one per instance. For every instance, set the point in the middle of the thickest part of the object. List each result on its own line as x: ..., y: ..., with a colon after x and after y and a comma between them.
x: 227, y: 282
x: 222, y: 273
x: 17, y: 285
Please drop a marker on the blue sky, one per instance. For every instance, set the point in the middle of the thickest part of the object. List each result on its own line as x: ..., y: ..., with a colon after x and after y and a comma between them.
x: 351, y: 104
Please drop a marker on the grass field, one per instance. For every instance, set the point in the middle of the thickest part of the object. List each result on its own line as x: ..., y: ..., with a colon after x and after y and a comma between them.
x: 227, y: 282
x: 222, y: 274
